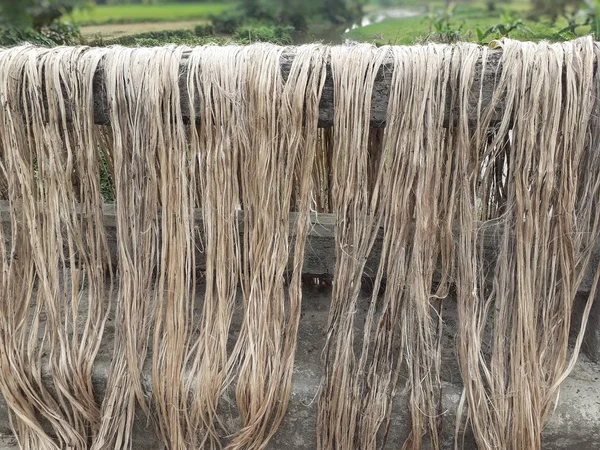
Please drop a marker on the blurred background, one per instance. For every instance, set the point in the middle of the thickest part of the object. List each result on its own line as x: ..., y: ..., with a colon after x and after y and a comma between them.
x: 155, y: 22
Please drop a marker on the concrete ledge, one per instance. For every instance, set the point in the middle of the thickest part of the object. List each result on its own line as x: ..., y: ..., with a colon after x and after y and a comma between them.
x: 575, y: 423
x: 484, y: 84
x: 319, y: 258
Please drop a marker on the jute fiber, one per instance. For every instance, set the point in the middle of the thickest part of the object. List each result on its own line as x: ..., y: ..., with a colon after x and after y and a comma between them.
x: 214, y: 153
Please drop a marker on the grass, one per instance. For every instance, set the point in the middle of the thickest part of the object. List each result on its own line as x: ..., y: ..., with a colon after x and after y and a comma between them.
x: 133, y: 13
x: 466, y: 19
x: 467, y: 22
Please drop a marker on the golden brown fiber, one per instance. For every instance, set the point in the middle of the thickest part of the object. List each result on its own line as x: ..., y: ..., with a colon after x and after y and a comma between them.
x: 213, y: 162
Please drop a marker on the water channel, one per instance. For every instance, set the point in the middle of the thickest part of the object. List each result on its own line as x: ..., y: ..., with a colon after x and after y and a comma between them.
x: 339, y: 34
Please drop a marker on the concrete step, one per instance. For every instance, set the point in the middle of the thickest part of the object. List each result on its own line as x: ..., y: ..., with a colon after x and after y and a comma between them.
x: 575, y: 423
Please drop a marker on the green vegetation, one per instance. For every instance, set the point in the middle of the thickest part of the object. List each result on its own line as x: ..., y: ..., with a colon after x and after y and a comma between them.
x: 34, y: 14
x: 553, y: 8
x: 281, y: 35
x: 476, y: 21
x: 299, y: 12
x: 155, y: 38
x: 240, y: 20
x: 159, y: 12
x: 37, y: 21
x: 227, y: 22
x: 193, y: 22
x: 290, y: 12
x: 204, y: 34
x: 57, y: 33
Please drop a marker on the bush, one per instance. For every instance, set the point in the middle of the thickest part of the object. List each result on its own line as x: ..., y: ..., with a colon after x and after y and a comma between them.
x: 294, y: 19
x: 14, y: 36
x: 227, y: 22
x: 157, y: 38
x: 58, y: 33
x: 553, y: 8
x: 62, y: 33
x: 264, y: 33
x: 204, y: 30
x: 152, y: 38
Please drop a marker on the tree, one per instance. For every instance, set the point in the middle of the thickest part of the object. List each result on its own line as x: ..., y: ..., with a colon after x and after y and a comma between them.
x: 34, y: 13
x: 255, y: 9
x: 553, y: 8
x: 36, y: 21
x: 342, y: 11
x: 297, y: 12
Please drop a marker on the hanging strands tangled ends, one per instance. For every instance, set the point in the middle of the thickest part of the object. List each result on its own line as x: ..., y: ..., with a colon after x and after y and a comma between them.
x: 212, y: 153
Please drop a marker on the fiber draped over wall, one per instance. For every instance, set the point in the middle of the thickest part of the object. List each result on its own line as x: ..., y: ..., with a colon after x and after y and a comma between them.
x: 212, y: 148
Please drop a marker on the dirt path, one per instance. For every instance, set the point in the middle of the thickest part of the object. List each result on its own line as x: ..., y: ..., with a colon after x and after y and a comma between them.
x: 123, y: 29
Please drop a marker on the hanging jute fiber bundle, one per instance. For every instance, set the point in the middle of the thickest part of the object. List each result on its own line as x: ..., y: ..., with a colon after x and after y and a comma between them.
x: 157, y: 205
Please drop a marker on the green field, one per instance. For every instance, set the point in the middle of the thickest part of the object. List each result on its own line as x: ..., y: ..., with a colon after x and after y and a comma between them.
x: 466, y: 19
x: 133, y: 13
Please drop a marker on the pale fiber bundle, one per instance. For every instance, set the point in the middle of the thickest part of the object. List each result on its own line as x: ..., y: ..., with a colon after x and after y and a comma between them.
x: 537, y: 180
x: 411, y: 195
x: 215, y: 81
x: 57, y: 246
x: 418, y: 195
x: 223, y: 179
x: 231, y: 131
x: 161, y: 169
x: 358, y: 220
x: 443, y: 171
x: 143, y: 95
x: 276, y: 159
x: 254, y: 121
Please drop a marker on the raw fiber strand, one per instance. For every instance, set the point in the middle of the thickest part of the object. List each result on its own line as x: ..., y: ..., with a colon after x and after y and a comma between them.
x: 417, y: 202
x: 208, y: 151
x: 412, y: 195
x: 175, y: 277
x: 546, y: 144
x: 139, y: 89
x: 357, y: 223
x: 51, y: 332
x: 279, y: 152
x: 215, y: 82
x: 223, y: 142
